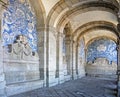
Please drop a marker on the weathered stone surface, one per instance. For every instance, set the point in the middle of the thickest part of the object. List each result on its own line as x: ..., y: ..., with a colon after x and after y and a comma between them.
x: 84, y: 87
x: 2, y: 84
x: 2, y: 91
x: 24, y: 69
x: 21, y: 68
x: 101, y: 66
x: 23, y: 87
x: 2, y: 77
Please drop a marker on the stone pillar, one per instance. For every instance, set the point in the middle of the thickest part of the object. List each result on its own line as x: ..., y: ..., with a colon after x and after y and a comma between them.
x: 60, y: 58
x: 81, y: 60
x: 85, y: 59
x: 2, y: 76
x: 68, y: 44
x: 41, y: 33
x: 118, y: 48
x: 74, y: 60
x: 118, y: 68
x: 57, y: 56
x: 51, y: 61
x: 77, y: 58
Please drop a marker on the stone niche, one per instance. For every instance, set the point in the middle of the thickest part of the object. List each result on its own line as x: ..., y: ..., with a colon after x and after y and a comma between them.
x: 101, y: 66
x: 21, y: 67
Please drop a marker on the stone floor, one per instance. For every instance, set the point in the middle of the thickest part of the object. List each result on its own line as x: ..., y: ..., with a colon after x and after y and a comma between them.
x: 84, y: 87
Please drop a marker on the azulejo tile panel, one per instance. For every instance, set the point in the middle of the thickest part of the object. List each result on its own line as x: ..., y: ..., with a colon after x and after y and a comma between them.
x: 19, y: 19
x: 102, y: 48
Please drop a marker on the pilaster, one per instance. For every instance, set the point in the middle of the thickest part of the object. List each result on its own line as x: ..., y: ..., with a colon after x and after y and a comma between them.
x: 60, y: 58
x: 41, y: 35
x: 69, y: 48
x: 51, y: 57
x: 2, y: 75
x: 118, y: 68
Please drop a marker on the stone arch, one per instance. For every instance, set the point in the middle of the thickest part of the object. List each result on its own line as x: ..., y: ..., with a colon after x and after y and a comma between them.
x: 99, y: 37
x: 40, y: 14
x: 61, y: 14
x: 40, y: 26
x: 102, y: 54
x: 63, y: 19
x: 94, y: 26
x: 83, y: 5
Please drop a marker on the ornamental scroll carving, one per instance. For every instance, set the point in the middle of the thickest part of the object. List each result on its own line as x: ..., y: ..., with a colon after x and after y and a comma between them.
x: 20, y: 48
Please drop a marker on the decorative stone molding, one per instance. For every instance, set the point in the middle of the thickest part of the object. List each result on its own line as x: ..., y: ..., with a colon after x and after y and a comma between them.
x: 21, y: 65
x: 20, y: 49
x: 101, y: 66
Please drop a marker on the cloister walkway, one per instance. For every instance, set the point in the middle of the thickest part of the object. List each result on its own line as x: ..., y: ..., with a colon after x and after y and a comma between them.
x: 84, y: 87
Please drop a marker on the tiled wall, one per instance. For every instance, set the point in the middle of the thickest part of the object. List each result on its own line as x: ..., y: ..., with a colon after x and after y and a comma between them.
x: 19, y: 19
x: 102, y: 48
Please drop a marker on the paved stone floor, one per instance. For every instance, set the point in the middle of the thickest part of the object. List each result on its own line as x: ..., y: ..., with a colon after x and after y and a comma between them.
x: 84, y: 87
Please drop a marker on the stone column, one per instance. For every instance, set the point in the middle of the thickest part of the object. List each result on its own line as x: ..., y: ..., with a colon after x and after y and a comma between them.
x: 118, y: 48
x: 2, y: 75
x: 60, y: 58
x: 74, y: 60
x: 57, y: 57
x: 69, y: 45
x: 51, y: 57
x: 78, y: 61
x: 85, y: 59
x: 41, y: 34
x: 118, y: 68
x: 77, y: 58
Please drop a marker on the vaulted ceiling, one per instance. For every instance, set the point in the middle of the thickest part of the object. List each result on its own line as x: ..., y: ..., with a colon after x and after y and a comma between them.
x: 88, y: 18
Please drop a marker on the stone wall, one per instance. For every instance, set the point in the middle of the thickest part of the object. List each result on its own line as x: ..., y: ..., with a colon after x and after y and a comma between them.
x: 20, y: 57
x: 102, y: 48
x: 101, y: 66
x: 21, y: 67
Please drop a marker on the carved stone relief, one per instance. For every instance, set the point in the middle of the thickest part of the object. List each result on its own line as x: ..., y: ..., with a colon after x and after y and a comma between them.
x: 20, y: 49
x: 101, y: 66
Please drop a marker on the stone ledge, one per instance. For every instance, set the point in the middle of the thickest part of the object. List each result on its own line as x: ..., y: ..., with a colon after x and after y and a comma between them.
x: 20, y: 61
x: 23, y: 87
